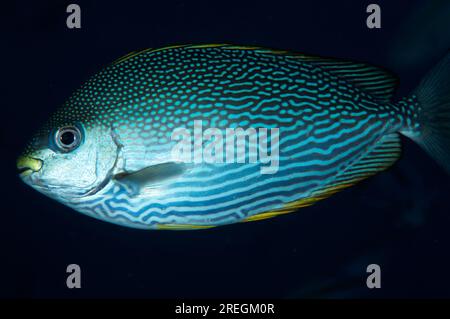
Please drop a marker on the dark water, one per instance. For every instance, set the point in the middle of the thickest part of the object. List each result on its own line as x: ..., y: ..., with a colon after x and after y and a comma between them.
x: 398, y: 219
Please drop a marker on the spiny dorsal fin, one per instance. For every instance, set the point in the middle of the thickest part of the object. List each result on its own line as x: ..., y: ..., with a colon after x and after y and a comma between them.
x: 380, y: 157
x: 153, y: 50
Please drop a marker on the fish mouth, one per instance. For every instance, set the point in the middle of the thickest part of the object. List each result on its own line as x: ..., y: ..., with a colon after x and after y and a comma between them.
x: 27, y: 165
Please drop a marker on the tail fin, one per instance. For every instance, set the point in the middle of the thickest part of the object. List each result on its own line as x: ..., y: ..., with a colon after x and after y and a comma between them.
x: 433, y: 94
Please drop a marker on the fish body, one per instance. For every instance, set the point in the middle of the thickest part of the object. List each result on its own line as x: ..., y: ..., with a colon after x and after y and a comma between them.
x: 129, y: 147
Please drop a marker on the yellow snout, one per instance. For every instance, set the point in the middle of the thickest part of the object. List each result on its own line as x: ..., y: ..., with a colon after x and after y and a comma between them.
x: 27, y: 165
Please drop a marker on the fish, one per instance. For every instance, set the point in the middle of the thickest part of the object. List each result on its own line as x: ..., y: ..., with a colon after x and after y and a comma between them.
x: 203, y: 135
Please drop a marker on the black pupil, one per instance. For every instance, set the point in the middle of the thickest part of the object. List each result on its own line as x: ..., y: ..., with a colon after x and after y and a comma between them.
x: 67, y: 138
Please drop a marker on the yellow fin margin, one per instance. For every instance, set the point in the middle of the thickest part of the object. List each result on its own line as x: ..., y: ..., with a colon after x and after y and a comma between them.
x: 181, y: 227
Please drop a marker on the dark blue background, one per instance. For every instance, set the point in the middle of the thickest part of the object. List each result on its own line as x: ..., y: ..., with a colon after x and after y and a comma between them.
x: 398, y: 219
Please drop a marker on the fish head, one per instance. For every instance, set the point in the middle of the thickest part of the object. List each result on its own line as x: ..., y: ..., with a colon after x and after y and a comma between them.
x: 70, y: 160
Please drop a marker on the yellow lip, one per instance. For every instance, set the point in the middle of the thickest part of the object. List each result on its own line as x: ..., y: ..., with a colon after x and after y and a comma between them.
x: 27, y: 165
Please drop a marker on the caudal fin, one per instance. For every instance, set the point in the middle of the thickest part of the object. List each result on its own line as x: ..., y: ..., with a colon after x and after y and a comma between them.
x: 433, y: 95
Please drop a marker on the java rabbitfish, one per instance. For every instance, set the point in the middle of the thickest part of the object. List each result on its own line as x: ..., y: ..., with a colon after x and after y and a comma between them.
x: 108, y: 152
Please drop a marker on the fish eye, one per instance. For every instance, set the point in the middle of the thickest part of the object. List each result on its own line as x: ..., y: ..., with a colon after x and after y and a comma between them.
x: 67, y: 138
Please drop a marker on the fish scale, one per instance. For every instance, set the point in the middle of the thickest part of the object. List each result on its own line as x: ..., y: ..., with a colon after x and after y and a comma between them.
x: 337, y: 125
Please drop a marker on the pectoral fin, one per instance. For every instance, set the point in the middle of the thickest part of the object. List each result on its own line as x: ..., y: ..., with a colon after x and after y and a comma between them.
x: 151, y: 177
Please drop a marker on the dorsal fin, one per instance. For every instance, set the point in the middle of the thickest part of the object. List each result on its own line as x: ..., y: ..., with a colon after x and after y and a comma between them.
x: 380, y: 157
x: 376, y: 81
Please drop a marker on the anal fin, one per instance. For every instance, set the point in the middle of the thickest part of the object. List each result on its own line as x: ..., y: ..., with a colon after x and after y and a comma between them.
x: 380, y: 157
